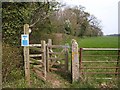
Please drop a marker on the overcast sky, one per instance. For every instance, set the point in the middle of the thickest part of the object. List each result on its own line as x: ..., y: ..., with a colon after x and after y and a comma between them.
x: 104, y: 10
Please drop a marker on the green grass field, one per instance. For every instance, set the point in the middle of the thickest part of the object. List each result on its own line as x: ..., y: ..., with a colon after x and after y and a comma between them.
x: 99, y: 42
x: 95, y: 80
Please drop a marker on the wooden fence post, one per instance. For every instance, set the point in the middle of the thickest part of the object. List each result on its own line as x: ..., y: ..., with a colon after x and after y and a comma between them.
x: 118, y: 70
x: 26, y: 57
x: 80, y: 61
x: 75, y: 61
x: 43, y: 46
x: 48, y: 56
x: 66, y: 58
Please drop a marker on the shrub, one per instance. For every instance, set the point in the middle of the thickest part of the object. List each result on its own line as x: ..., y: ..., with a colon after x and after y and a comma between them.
x: 12, y: 62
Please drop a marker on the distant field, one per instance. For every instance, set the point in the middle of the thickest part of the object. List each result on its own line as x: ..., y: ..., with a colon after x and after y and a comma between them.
x: 100, y: 42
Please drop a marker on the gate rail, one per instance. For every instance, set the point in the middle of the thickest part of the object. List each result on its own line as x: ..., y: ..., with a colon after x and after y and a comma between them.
x: 82, y: 61
x: 53, y: 57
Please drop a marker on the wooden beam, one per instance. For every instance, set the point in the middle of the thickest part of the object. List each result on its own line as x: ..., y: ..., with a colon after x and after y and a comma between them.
x: 37, y: 66
x: 26, y: 57
x: 58, y: 46
x: 36, y: 61
x: 35, y: 55
x: 66, y: 59
x: 35, y: 45
x: 43, y: 47
x: 48, y: 55
x: 75, y: 61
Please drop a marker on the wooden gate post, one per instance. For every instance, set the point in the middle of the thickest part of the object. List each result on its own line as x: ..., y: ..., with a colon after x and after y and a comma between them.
x: 118, y: 70
x: 26, y: 57
x: 66, y: 59
x: 43, y: 46
x: 48, y: 56
x: 75, y: 61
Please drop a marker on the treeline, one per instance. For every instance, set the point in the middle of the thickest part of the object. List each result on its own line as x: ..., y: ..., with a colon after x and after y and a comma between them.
x: 114, y: 35
x: 46, y: 18
x: 75, y: 21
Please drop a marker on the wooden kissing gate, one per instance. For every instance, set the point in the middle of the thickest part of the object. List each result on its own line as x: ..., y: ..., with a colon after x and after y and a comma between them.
x: 55, y: 57
x: 41, y: 58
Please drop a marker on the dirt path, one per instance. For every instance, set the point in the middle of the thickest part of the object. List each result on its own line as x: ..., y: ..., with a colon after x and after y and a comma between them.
x: 57, y: 81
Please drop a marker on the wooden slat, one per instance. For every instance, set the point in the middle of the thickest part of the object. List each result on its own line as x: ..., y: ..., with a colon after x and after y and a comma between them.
x: 54, y: 52
x: 36, y: 61
x: 33, y: 45
x: 35, y: 55
x: 56, y: 58
x: 38, y: 67
x: 99, y: 61
x: 101, y: 49
x: 99, y: 67
x: 57, y: 46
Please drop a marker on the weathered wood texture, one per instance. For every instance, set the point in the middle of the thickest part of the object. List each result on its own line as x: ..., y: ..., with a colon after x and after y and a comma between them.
x: 43, y: 46
x: 41, y: 64
x: 54, y: 57
x: 75, y: 61
x: 58, y: 46
x: 48, y: 56
x: 66, y: 59
x: 26, y: 57
x: 35, y: 55
x: 33, y: 45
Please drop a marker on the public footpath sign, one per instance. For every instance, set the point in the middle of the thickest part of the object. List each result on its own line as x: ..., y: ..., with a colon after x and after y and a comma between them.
x: 25, y: 40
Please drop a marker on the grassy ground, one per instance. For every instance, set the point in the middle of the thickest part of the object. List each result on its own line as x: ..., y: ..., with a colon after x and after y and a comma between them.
x: 100, y: 42
x: 94, y: 80
x: 60, y: 80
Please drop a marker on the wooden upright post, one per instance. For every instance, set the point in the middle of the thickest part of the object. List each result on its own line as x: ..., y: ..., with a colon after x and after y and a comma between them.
x: 118, y: 70
x: 66, y: 58
x: 75, y: 61
x: 26, y: 57
x: 80, y: 60
x: 43, y: 46
x: 48, y: 56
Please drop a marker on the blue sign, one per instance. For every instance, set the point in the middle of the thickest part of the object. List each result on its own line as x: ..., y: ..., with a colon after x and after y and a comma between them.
x: 25, y: 40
